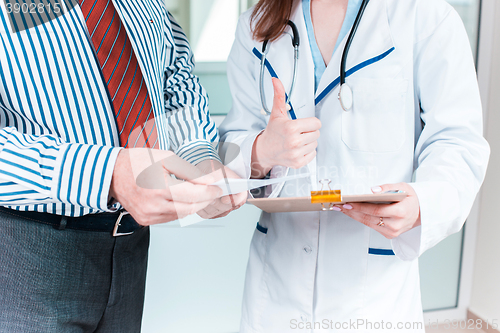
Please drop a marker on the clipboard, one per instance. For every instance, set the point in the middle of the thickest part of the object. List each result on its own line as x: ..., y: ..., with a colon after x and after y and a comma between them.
x: 323, y: 201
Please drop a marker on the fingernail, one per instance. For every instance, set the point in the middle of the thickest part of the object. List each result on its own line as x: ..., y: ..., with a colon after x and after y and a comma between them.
x: 347, y: 206
x: 225, y: 200
x: 335, y: 208
x: 376, y: 189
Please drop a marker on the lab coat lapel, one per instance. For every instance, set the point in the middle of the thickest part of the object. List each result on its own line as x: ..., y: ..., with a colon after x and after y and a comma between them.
x: 373, y: 39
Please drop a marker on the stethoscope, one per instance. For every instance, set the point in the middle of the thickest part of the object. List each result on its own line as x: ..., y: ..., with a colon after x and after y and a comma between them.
x: 345, y: 92
x: 265, y: 50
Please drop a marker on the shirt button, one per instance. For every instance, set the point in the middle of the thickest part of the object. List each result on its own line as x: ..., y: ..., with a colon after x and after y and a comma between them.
x: 307, y: 249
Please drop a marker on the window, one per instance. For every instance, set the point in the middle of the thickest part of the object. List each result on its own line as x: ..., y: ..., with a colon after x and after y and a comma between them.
x: 210, y: 26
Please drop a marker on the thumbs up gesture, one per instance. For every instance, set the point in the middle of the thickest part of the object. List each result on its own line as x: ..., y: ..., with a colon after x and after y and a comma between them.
x: 285, y: 142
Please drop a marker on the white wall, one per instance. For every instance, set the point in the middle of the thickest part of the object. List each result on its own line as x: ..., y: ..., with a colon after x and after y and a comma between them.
x: 485, y: 299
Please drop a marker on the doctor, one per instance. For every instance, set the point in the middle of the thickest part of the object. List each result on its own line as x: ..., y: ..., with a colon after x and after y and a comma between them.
x: 415, y: 124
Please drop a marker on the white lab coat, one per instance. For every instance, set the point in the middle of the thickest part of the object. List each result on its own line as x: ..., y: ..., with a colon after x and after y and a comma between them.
x: 416, y: 118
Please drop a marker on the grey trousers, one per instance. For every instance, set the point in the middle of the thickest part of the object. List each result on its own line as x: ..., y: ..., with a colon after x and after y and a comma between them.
x: 70, y: 281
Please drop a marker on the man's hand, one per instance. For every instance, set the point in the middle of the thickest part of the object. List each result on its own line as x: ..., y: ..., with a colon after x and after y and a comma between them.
x: 223, y: 206
x: 286, y: 142
x: 143, y: 185
x: 397, y: 218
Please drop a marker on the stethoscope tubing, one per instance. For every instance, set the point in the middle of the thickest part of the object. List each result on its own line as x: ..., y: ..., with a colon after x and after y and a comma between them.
x: 349, y: 41
x: 265, y: 50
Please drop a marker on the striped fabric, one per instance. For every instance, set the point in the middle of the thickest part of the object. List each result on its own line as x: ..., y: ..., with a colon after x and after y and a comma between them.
x: 58, y: 136
x: 132, y: 107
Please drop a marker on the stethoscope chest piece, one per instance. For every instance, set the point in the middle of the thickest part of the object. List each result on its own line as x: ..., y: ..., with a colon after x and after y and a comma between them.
x: 345, y: 97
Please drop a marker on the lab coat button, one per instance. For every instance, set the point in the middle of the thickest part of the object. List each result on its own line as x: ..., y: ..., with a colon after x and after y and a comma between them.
x: 307, y: 249
x: 303, y: 318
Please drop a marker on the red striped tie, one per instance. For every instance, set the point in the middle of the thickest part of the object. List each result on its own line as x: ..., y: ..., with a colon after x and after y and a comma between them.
x: 133, y: 111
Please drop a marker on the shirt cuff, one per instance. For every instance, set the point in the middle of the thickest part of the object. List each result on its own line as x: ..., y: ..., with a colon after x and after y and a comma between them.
x: 241, y: 163
x: 83, y: 175
x: 198, y: 151
x: 237, y: 154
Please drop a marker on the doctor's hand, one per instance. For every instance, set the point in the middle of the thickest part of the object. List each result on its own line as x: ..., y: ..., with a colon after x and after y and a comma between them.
x: 223, y: 206
x: 143, y: 185
x: 397, y: 218
x: 285, y: 142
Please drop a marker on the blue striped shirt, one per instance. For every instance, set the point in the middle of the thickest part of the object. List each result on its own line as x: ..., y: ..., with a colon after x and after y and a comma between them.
x: 58, y: 135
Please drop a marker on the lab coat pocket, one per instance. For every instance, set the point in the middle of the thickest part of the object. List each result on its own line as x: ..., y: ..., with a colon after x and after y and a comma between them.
x: 258, y: 247
x: 261, y: 228
x: 379, y: 245
x: 376, y: 122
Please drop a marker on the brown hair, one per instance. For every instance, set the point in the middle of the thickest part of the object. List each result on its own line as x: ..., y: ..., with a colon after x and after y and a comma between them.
x: 270, y: 18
